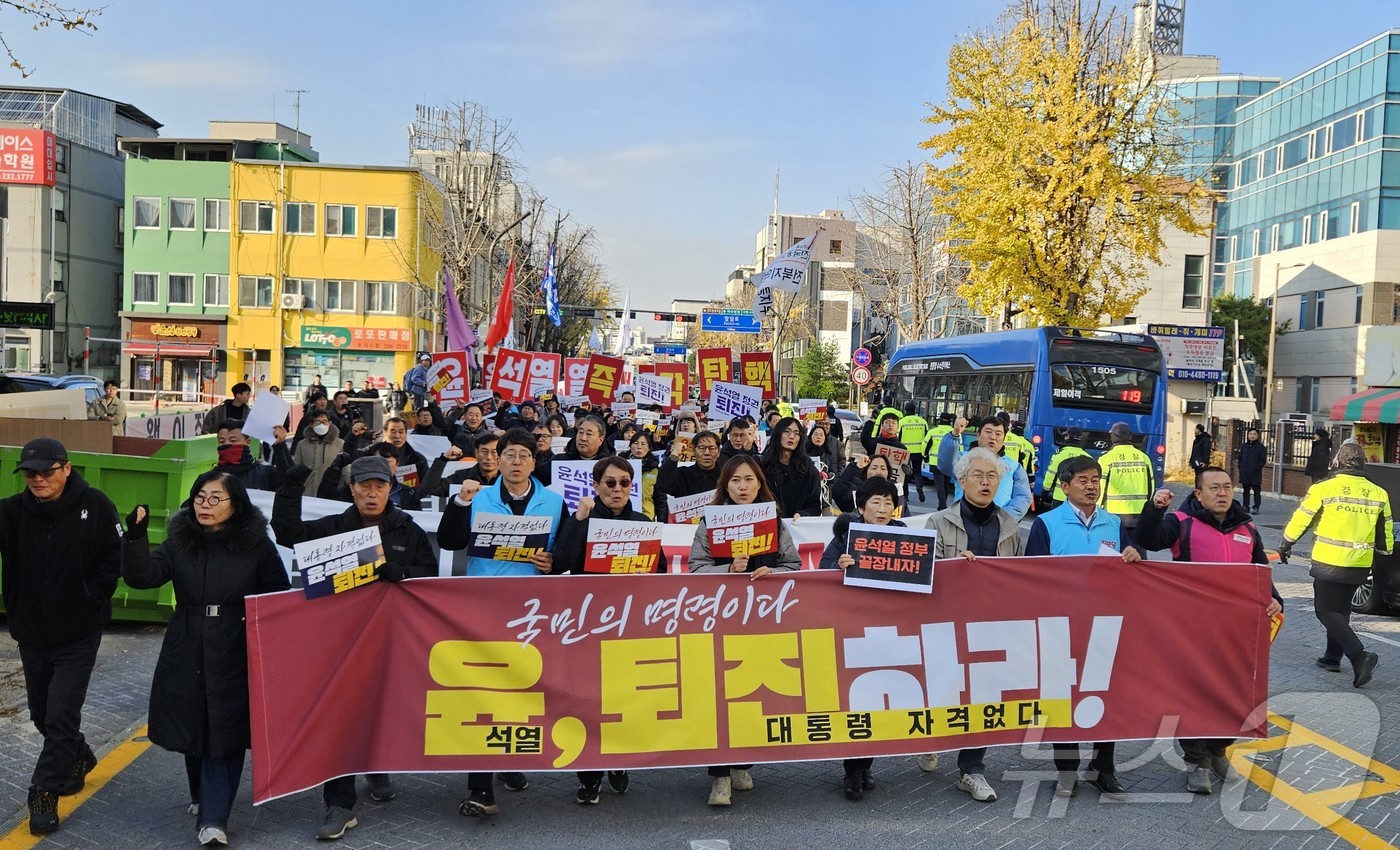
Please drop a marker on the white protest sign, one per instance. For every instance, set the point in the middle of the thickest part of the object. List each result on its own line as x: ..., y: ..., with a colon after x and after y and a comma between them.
x: 558, y: 444
x: 167, y: 426
x: 566, y: 401
x: 688, y: 509
x: 625, y: 409
x: 731, y: 400
x: 429, y: 446
x: 653, y: 390
x: 507, y: 537
x: 573, y: 479
x: 341, y: 562
x: 648, y: 417
x: 269, y: 412
x: 811, y: 410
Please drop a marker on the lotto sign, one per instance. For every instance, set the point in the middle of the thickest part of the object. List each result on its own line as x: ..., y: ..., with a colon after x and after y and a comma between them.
x: 447, y: 378
x: 731, y: 400
x: 614, y: 673
x: 28, y: 156
x: 714, y: 366
x: 680, y: 382
x: 687, y: 510
x: 653, y: 390
x: 331, y: 565
x: 507, y: 537
x: 756, y: 370
x: 544, y: 372
x: 890, y: 558
x: 573, y: 479
x: 615, y: 546
x: 742, y: 529
x: 510, y: 374
x: 604, y: 375
x: 575, y: 373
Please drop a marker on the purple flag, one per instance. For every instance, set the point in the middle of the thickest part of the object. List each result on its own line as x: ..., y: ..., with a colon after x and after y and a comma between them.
x: 459, y: 333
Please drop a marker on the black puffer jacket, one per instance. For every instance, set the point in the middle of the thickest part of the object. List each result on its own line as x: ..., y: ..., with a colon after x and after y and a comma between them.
x: 675, y: 480
x: 61, y: 562
x: 406, y: 546
x: 569, y: 546
x: 199, y: 695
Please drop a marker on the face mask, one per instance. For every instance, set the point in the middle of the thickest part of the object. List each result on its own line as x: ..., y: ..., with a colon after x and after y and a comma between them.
x: 234, y: 454
x: 321, y: 429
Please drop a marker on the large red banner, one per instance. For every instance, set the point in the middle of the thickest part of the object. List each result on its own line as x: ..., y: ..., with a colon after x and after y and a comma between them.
x: 613, y: 672
x: 756, y: 370
x: 680, y: 388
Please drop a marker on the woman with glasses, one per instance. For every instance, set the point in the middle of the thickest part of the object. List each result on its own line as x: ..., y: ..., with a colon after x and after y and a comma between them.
x: 790, y: 472
x: 612, y: 500
x: 741, y: 482
x: 216, y: 552
x: 641, y: 447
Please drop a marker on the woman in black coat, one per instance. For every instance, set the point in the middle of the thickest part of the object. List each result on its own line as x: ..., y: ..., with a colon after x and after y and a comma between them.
x: 1321, y: 457
x: 216, y: 552
x: 790, y: 472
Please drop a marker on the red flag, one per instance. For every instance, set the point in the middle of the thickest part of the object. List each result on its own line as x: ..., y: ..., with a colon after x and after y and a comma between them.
x: 505, y: 309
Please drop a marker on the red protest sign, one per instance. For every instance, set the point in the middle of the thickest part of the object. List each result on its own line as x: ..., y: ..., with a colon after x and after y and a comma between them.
x: 615, y: 546
x: 604, y: 376
x: 680, y: 382
x: 742, y: 529
x: 714, y: 365
x: 756, y: 370
x: 447, y: 379
x: 510, y: 375
x: 575, y: 373
x: 544, y: 372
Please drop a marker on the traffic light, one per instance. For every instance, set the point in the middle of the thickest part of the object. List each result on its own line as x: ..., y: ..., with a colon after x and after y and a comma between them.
x: 674, y: 317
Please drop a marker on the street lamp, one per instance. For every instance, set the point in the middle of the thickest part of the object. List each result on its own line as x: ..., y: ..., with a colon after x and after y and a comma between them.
x: 1273, y: 335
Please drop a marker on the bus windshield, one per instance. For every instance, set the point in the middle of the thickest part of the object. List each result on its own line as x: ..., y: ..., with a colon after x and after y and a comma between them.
x: 1090, y: 375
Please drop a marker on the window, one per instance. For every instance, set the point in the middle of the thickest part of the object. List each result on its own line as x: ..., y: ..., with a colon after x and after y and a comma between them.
x: 1193, y: 285
x: 301, y: 219
x: 181, y: 287
x: 1255, y: 252
x: 1320, y: 301
x: 1322, y: 225
x: 216, y: 290
x: 1303, y: 313
x: 379, y: 297
x: 1307, y: 230
x: 1305, y: 401
x: 121, y: 233
x: 340, y: 220
x: 60, y: 267
x: 834, y: 247
x: 382, y: 222
x: 254, y: 291
x: 1355, y: 217
x: 60, y: 158
x: 147, y: 212
x: 216, y: 214
x: 143, y: 287
x: 255, y: 217
x: 1319, y: 144
x: 60, y: 204
x: 1344, y: 133
x: 305, y: 287
x: 1273, y: 238
x: 182, y: 213
x: 1360, y: 293
x: 340, y: 296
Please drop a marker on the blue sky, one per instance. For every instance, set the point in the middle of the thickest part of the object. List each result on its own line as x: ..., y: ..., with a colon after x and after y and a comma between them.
x: 658, y: 123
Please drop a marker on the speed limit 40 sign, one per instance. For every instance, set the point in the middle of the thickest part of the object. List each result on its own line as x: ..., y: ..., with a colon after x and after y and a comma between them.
x: 861, y: 375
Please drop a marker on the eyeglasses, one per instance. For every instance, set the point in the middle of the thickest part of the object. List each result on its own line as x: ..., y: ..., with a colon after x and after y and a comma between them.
x: 1219, y: 488
x: 42, y: 473
x: 517, y: 457
x: 213, y: 500
x: 614, y: 483
x: 982, y: 477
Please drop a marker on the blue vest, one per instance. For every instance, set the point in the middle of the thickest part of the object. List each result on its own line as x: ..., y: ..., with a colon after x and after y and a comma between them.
x: 491, y: 500
x: 1069, y: 536
x: 1004, y: 486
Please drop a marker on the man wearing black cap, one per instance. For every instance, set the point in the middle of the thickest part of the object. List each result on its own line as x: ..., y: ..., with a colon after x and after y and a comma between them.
x: 60, y: 544
x: 407, y: 554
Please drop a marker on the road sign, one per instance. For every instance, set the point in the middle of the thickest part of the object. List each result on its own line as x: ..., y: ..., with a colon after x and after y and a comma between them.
x: 861, y: 375
x: 862, y: 357
x: 735, y: 323
x: 677, y: 349
x: 26, y: 314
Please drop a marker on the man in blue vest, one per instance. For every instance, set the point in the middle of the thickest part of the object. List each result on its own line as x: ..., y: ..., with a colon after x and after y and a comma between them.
x: 1014, y: 491
x: 1080, y: 527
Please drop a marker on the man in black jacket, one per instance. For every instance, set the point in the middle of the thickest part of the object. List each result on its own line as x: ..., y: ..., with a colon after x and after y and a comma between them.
x: 60, y: 544
x: 1252, y: 458
x: 407, y: 554
x: 676, y: 480
x: 236, y: 457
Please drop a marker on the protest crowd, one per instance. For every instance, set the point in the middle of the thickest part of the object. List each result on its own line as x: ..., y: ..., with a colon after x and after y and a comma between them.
x: 552, y: 473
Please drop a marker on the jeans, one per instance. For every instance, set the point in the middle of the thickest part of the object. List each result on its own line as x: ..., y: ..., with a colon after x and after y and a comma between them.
x: 1199, y: 751
x: 218, y: 785
x: 1067, y: 758
x: 56, y: 682
x: 1332, y: 604
x: 971, y: 761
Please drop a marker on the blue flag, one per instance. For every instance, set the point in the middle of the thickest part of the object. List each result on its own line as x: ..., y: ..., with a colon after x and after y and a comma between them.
x: 551, y: 291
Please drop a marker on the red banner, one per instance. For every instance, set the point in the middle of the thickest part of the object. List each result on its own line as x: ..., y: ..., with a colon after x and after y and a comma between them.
x: 447, y: 379
x: 714, y: 365
x: 680, y: 385
x: 603, y: 378
x: 614, y: 672
x: 510, y: 376
x: 575, y: 373
x: 544, y: 373
x: 756, y: 370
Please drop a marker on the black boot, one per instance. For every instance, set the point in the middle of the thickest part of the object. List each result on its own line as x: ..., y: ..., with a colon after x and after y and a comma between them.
x: 43, y: 811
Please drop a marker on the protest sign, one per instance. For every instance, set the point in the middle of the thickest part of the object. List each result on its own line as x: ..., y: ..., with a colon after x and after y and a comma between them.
x: 654, y: 390
x: 485, y: 399
x: 511, y: 375
x: 890, y: 557
x: 575, y: 373
x: 756, y: 370
x: 714, y: 365
x: 622, y: 547
x: 447, y: 377
x: 812, y: 411
x: 624, y: 409
x: 270, y: 412
x: 604, y: 374
x: 742, y: 529
x: 428, y: 446
x: 507, y: 537
x: 898, y: 456
x: 341, y: 562
x: 544, y: 372
x: 679, y: 378
x: 730, y: 400
x: 688, y: 509
x: 573, y: 479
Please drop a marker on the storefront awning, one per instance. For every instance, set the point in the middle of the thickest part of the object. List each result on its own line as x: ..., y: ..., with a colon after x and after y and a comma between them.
x: 168, y: 349
x: 1378, y: 404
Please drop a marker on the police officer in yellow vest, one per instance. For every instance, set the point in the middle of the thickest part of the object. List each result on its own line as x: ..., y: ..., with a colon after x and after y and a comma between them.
x: 1127, y: 477
x: 1350, y: 520
x: 931, y: 443
x: 913, y: 433
x: 1050, y: 492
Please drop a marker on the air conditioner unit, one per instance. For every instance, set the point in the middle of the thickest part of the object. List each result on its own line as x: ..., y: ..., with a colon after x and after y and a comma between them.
x: 1193, y: 408
x: 293, y: 301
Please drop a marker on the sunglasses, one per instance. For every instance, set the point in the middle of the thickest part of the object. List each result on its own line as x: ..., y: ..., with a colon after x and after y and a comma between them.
x: 614, y: 483
x: 41, y: 473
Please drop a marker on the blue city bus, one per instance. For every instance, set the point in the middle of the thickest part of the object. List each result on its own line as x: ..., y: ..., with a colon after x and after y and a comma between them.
x: 1050, y: 378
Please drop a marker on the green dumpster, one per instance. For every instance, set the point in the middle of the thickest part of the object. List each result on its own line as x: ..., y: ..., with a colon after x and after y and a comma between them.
x: 162, y: 481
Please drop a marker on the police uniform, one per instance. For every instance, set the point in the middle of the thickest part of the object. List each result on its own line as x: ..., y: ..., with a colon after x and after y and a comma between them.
x: 913, y: 433
x: 1127, y: 482
x: 1050, y: 484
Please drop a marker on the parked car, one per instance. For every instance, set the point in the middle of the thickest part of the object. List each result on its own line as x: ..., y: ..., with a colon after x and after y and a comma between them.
x: 28, y: 382
x: 1381, y: 592
x: 850, y: 428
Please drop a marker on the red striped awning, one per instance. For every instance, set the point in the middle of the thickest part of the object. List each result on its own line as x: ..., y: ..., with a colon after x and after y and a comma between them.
x: 1378, y: 404
x: 168, y: 349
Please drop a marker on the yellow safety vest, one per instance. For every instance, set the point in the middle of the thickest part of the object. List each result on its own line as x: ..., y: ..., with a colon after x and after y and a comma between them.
x: 1128, y: 480
x: 934, y: 439
x: 1051, y: 484
x: 1343, y: 511
x: 913, y: 430
x: 1022, y: 451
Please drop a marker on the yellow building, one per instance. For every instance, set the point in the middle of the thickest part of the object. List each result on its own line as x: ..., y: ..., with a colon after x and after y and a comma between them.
x: 329, y: 272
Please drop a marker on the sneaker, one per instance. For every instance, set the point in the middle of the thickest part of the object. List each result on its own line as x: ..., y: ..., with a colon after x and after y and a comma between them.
x: 853, y: 787
x: 619, y: 781
x: 719, y: 791
x: 1362, y: 668
x: 335, y: 823
x: 588, y: 794
x: 743, y: 780
x: 514, y: 781
x: 1109, y: 786
x: 193, y: 808
x: 867, y: 781
x: 43, y: 811
x: 1198, y: 780
x: 381, y: 790
x: 212, y: 836
x: 479, y: 804
x: 1066, y: 783
x: 1329, y: 665
x: 928, y: 762
x: 76, y: 780
x: 976, y: 784
x: 1220, y: 766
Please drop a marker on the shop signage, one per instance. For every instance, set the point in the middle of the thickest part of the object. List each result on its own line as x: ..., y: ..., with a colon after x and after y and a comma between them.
x: 364, y: 339
x: 25, y: 314
x: 175, y: 331
x: 27, y: 156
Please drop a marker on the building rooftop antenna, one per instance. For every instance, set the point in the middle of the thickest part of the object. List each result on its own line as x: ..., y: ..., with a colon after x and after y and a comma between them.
x: 296, y: 105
